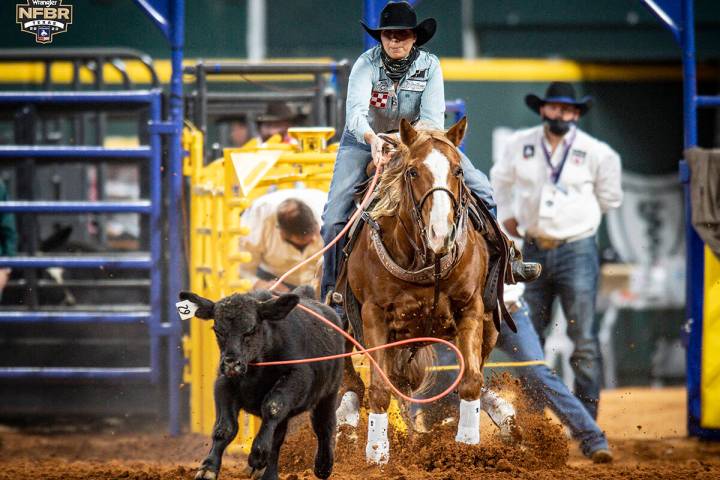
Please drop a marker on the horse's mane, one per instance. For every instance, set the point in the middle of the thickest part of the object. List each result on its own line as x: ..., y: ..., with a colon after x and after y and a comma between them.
x: 390, y: 185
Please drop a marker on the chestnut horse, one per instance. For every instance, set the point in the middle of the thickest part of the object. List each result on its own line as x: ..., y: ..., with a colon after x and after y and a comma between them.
x: 419, y: 270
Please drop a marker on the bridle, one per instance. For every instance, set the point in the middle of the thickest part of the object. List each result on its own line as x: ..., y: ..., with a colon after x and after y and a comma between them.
x: 460, y: 206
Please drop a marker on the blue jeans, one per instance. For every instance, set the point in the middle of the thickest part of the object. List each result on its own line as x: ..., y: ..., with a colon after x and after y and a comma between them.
x: 349, y: 171
x: 544, y: 387
x: 570, y: 272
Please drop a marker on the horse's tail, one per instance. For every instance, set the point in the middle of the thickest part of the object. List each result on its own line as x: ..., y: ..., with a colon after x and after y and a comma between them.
x: 416, y: 369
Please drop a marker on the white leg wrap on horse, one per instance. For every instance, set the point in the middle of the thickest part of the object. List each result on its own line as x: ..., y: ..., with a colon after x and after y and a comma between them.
x: 469, y: 424
x: 377, y: 449
x: 500, y: 411
x: 348, y: 413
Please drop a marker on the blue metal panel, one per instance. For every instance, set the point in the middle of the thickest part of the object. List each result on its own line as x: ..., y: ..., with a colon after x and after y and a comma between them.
x: 47, y: 373
x: 158, y: 12
x: 682, y: 13
x: 707, y: 101
x: 457, y: 108
x: 123, y: 97
x: 371, y: 16
x: 168, y: 16
x: 687, y: 43
x: 669, y: 13
x: 24, y: 151
x: 156, y: 291
x: 72, y: 317
x: 176, y: 268
x: 142, y: 206
x: 125, y: 261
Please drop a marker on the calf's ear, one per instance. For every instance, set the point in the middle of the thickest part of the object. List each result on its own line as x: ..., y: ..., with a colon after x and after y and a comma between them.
x: 205, y: 307
x: 277, y: 308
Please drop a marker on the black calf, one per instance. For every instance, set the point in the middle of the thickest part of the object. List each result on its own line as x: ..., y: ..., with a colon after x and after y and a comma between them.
x: 256, y: 328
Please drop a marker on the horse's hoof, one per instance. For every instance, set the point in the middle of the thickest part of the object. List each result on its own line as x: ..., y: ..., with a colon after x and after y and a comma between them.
x: 468, y: 435
x: 206, y: 474
x: 348, y: 413
x: 510, y: 432
x: 378, y: 453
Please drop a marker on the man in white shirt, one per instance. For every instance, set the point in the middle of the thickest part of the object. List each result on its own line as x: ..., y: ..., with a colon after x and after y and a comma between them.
x: 284, y: 231
x: 552, y: 186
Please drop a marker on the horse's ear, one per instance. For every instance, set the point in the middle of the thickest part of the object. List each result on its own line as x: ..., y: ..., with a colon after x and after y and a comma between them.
x: 408, y: 134
x: 457, y: 132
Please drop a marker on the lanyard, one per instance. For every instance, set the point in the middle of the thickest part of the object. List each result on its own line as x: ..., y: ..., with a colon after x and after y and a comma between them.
x: 555, y: 172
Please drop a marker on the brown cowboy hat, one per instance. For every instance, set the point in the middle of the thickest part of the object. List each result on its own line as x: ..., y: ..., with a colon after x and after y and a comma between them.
x: 401, y: 16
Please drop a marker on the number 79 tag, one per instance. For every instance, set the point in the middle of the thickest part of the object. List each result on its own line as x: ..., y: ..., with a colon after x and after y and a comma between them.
x: 186, y: 309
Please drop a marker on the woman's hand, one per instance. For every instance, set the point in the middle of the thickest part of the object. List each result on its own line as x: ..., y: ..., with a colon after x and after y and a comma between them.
x: 511, y: 225
x: 380, y: 151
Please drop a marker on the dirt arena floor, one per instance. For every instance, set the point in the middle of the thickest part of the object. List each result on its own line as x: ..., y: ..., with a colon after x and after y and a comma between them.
x: 646, y: 429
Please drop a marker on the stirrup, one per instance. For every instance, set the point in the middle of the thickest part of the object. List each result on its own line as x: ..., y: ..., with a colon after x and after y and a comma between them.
x: 525, y: 271
x: 333, y: 298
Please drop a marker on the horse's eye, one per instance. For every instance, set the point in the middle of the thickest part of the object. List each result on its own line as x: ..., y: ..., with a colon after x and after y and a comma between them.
x: 458, y: 172
x: 412, y: 173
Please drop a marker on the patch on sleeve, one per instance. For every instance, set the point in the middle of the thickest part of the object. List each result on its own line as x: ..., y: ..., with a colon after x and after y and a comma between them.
x: 528, y: 151
x: 382, y: 85
x: 578, y: 156
x: 379, y: 99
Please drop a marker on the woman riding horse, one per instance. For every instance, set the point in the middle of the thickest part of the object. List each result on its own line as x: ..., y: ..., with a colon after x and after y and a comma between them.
x: 389, y: 82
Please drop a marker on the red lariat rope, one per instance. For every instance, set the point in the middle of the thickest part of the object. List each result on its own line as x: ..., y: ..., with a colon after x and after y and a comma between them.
x: 360, y: 349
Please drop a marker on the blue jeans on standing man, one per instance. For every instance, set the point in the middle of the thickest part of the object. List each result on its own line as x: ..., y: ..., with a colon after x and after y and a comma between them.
x: 570, y: 272
x: 544, y: 387
x: 349, y: 171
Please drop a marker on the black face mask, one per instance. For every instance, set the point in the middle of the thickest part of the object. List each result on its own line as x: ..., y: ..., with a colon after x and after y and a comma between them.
x: 557, y: 125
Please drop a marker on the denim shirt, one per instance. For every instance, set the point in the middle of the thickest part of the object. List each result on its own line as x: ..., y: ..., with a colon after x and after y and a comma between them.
x: 374, y: 104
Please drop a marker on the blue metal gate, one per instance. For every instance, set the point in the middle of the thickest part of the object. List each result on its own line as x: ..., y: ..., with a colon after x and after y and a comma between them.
x: 151, y: 206
x: 679, y: 17
x: 168, y: 17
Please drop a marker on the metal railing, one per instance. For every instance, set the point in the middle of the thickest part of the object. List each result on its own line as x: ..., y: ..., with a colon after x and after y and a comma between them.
x: 326, y: 95
x: 148, y: 105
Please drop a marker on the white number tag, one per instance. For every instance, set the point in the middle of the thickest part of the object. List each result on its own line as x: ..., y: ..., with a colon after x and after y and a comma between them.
x: 186, y: 309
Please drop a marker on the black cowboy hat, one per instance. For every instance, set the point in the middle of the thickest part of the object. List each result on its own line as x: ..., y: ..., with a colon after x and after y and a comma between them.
x: 401, y: 16
x: 558, y: 92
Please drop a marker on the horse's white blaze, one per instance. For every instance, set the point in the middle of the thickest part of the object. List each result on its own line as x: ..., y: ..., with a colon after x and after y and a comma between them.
x: 440, y: 223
